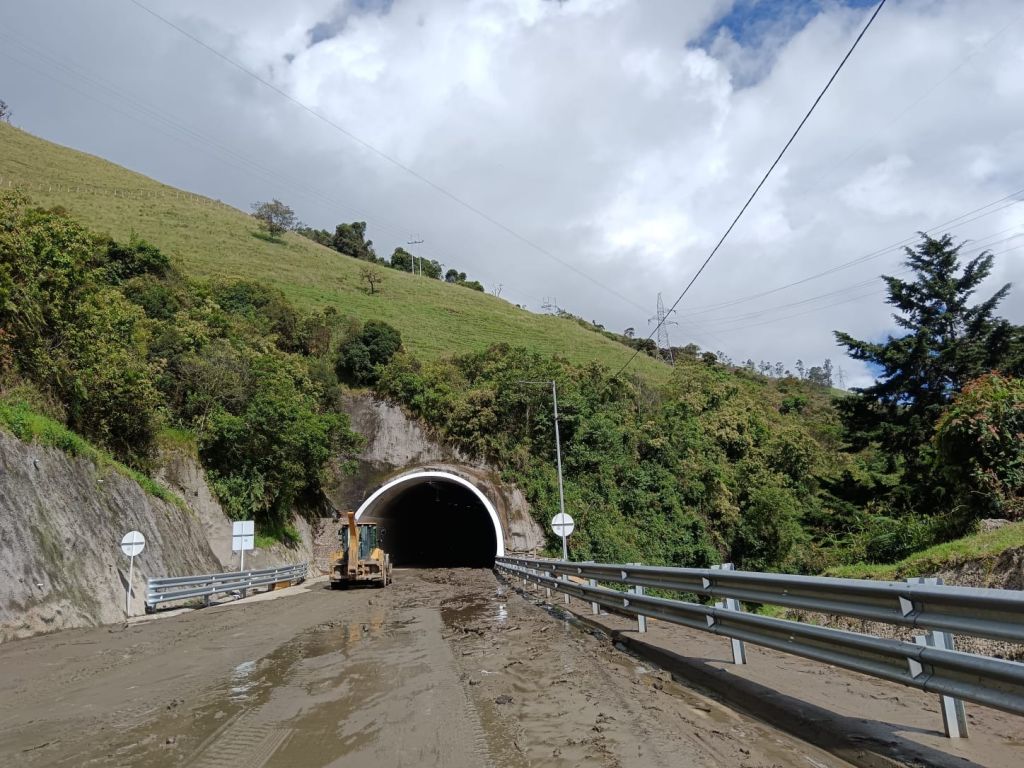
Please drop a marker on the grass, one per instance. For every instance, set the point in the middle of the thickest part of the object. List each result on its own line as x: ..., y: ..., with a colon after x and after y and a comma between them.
x: 978, y: 546
x: 211, y: 240
x: 180, y: 440
x: 32, y: 427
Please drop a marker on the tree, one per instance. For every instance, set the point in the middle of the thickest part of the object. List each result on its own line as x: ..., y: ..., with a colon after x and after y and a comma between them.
x: 350, y: 239
x: 454, y: 276
x: 430, y: 268
x: 947, y: 342
x: 5, y: 112
x: 821, y: 375
x: 402, y: 259
x: 275, y: 217
x: 373, y: 277
x: 629, y: 333
x: 321, y: 236
x: 365, y: 350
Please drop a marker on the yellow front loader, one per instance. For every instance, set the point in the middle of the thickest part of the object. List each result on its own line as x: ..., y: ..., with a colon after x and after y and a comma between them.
x: 361, y: 560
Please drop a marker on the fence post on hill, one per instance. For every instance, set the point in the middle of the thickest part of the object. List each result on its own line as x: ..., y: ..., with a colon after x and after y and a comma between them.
x: 954, y: 716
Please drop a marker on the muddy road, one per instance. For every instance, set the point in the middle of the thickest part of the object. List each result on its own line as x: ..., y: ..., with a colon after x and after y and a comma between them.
x: 444, y: 668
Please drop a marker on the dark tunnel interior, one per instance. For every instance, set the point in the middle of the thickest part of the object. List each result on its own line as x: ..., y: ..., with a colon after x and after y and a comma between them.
x: 437, y: 524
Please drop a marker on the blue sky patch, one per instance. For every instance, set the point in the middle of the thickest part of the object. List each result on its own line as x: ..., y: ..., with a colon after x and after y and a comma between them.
x: 751, y: 22
x: 325, y: 30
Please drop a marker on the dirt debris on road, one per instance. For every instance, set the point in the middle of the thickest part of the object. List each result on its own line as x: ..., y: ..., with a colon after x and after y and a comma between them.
x: 444, y: 668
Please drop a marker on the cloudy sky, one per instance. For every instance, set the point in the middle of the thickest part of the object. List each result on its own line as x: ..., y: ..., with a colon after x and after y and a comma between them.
x: 587, y: 152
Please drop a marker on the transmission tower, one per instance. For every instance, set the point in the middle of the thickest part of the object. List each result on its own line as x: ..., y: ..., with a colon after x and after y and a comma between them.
x: 661, y: 318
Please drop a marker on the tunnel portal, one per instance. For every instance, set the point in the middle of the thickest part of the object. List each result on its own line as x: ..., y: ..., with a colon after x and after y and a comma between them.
x: 435, y: 519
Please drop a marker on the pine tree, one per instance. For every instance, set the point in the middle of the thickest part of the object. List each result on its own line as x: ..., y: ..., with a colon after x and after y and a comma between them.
x: 948, y: 341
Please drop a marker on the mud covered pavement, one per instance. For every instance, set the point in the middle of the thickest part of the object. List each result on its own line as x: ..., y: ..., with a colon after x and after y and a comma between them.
x: 444, y: 668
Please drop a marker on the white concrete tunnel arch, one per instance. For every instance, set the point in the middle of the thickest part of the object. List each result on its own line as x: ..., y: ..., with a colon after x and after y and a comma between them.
x: 394, y: 487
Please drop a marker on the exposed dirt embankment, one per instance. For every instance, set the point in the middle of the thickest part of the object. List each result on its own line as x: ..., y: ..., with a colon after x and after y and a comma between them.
x: 182, y: 473
x: 61, y: 524
x: 1004, y: 570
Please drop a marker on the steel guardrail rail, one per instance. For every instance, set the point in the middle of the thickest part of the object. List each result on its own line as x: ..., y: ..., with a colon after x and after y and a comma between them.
x: 163, y: 590
x: 993, y: 682
x: 997, y: 614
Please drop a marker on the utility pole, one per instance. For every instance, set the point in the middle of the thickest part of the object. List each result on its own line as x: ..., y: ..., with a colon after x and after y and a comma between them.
x: 558, y: 454
x: 662, y: 329
x: 412, y: 261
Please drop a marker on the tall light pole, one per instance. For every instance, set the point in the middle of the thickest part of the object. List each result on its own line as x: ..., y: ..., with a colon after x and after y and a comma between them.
x: 558, y: 455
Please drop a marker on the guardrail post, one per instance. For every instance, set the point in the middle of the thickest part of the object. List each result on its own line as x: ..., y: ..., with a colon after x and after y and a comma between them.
x: 641, y: 620
x: 739, y: 651
x: 566, y: 580
x: 954, y: 716
x: 547, y: 589
x: 595, y: 609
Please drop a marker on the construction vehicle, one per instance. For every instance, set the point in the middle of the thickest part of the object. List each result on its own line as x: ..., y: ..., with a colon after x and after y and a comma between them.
x: 360, y: 560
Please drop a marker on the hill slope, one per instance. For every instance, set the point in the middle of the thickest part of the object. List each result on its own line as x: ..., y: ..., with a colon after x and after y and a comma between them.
x: 211, y: 239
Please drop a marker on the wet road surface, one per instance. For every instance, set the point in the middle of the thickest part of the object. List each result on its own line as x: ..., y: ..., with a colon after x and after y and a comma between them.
x: 443, y: 668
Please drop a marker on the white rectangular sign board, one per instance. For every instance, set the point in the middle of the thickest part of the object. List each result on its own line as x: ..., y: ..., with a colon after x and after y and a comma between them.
x: 243, y: 536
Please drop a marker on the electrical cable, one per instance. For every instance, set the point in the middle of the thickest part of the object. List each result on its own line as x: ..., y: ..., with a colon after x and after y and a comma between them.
x: 976, y: 247
x: 388, y: 158
x: 764, y: 178
x: 1014, y: 198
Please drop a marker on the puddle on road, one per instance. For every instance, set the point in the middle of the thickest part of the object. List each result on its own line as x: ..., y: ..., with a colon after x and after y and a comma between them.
x: 307, y: 689
x: 241, y: 680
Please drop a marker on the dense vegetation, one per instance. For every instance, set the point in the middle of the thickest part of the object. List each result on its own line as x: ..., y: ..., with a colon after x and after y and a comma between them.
x: 110, y: 339
x: 350, y: 239
x: 704, y: 468
x: 707, y: 461
x: 943, y: 428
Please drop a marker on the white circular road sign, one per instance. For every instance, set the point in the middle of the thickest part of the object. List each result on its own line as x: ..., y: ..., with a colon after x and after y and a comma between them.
x: 133, y: 543
x: 562, y: 524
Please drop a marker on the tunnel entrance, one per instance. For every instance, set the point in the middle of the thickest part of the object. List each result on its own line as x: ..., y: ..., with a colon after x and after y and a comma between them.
x: 435, y: 519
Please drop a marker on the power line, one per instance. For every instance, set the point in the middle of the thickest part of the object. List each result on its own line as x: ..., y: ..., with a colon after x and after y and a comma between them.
x: 102, y: 90
x: 1014, y: 198
x: 976, y: 247
x: 768, y: 173
x: 880, y: 288
x: 388, y: 158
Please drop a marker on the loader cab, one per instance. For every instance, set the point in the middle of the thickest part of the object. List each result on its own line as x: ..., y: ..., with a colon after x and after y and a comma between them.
x: 369, y: 538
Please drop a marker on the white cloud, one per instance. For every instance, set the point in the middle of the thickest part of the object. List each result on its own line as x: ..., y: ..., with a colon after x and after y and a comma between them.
x: 600, y: 129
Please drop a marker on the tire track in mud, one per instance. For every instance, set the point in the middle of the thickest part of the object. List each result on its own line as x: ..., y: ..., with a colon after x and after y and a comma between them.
x: 572, y: 699
x: 444, y: 668
x: 240, y: 744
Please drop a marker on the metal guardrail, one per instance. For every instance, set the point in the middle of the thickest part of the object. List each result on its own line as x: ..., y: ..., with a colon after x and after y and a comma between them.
x: 982, y: 612
x: 997, y: 614
x: 164, y: 590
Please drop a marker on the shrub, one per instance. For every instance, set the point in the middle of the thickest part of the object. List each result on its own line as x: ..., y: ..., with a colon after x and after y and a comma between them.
x: 364, y: 352
x: 979, y: 455
x: 261, y: 459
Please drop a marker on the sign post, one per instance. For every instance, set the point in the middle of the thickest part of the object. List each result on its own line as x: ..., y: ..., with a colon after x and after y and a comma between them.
x: 563, y: 525
x: 132, y: 544
x: 243, y: 538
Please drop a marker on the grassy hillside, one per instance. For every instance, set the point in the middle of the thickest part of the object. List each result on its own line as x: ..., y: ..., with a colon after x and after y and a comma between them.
x: 210, y: 239
x: 987, y: 545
